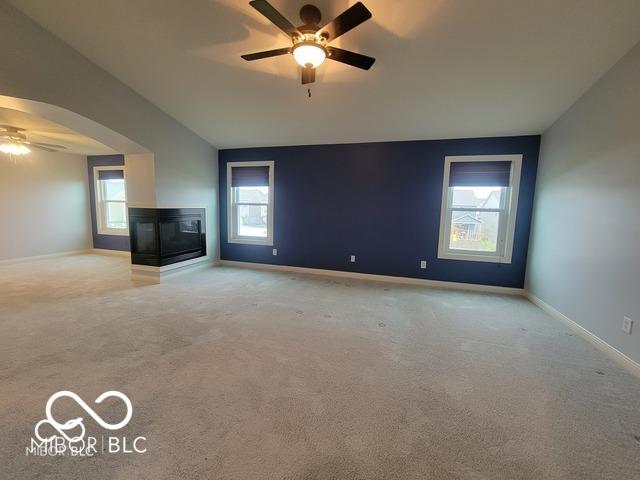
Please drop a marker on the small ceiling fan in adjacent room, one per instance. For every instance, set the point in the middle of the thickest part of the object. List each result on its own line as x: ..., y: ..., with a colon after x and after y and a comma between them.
x: 310, y: 42
x: 13, y: 141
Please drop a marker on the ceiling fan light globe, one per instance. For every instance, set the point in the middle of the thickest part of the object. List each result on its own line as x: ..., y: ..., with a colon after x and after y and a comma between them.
x: 14, y: 149
x: 309, y: 54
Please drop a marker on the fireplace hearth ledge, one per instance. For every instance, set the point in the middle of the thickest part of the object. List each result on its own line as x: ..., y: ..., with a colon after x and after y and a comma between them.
x: 158, y: 274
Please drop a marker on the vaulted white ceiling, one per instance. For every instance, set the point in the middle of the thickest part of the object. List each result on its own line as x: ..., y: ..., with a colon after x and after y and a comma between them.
x: 445, y: 68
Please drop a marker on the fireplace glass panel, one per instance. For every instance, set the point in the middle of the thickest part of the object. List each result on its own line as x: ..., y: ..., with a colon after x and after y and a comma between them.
x: 145, y: 238
x: 180, y: 236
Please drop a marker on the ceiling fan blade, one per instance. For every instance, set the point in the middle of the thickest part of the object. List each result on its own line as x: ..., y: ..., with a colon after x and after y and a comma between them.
x: 46, y: 145
x: 266, y: 9
x: 266, y: 54
x: 350, y: 58
x: 46, y: 149
x: 347, y: 20
x: 308, y: 75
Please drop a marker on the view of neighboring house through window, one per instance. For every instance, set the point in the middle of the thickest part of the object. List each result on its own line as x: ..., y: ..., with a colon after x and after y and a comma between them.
x: 475, y: 227
x: 478, y: 207
x: 111, y: 198
x: 250, y: 202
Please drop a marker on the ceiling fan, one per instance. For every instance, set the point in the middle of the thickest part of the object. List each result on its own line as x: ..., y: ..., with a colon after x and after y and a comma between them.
x: 310, y: 42
x: 14, y: 142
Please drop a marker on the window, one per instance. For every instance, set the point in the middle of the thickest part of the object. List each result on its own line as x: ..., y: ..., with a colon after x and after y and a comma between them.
x: 479, y: 200
x: 111, y: 201
x: 250, y: 202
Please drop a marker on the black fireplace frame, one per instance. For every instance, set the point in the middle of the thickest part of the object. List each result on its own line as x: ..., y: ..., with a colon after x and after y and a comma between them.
x: 157, y: 257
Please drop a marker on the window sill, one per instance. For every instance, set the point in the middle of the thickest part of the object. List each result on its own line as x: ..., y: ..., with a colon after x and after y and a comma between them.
x: 471, y: 257
x: 119, y: 233
x: 250, y: 241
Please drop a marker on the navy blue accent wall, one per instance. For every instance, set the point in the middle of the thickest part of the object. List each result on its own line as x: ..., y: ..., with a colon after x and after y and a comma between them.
x: 108, y: 242
x: 378, y: 201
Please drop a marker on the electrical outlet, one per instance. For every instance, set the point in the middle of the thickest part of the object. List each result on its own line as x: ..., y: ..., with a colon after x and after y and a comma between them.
x: 353, y: 259
x: 423, y: 264
x: 627, y: 325
x: 275, y: 251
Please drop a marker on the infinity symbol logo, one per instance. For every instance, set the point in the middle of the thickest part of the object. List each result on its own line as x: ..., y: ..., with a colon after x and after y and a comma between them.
x: 62, y: 428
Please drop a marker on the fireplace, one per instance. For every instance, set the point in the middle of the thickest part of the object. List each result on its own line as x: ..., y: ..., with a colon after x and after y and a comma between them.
x: 163, y: 236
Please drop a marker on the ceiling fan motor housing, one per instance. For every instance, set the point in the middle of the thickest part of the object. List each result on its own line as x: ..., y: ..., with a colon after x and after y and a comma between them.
x: 12, y: 133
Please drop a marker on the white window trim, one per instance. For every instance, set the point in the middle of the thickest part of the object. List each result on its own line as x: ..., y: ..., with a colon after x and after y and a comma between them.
x: 102, y: 229
x: 505, y: 249
x: 268, y: 240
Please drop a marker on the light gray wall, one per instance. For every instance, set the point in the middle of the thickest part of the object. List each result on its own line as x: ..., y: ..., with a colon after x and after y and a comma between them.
x: 38, y: 66
x: 584, y: 257
x: 44, y: 205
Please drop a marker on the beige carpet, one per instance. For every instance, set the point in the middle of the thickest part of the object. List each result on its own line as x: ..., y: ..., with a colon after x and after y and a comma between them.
x: 239, y: 374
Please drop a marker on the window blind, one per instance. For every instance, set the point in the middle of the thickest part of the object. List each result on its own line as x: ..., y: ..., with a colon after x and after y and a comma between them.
x: 110, y: 174
x: 480, y: 174
x: 249, y: 176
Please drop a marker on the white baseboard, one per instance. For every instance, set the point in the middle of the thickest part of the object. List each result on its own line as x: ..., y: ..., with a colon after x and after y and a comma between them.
x: 104, y: 251
x: 11, y: 261
x: 376, y: 278
x: 34, y: 258
x: 629, y: 364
